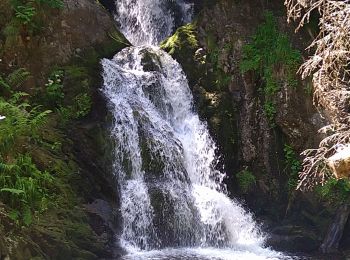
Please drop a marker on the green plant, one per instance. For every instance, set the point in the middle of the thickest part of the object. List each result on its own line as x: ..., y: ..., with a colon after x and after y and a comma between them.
x: 335, y: 191
x: 270, y: 111
x: 80, y: 108
x: 22, y: 121
x: 54, y: 89
x: 24, y: 188
x: 25, y: 13
x: 272, y: 58
x: 83, y: 105
x: 294, y: 166
x: 246, y: 180
x: 14, y: 80
x: 27, y: 17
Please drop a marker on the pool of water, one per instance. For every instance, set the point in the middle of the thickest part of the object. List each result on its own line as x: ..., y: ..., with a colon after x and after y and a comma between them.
x: 210, y: 254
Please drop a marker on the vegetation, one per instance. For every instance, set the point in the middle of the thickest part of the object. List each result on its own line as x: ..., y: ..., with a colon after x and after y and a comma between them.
x: 23, y: 19
x: 335, y: 191
x: 293, y: 165
x: 24, y: 188
x: 222, y: 78
x: 73, y: 106
x: 246, y: 180
x: 272, y: 58
x: 329, y: 67
x: 22, y: 185
x: 183, y: 38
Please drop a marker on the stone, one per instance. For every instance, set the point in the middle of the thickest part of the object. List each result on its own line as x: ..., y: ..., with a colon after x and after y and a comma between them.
x: 339, y: 163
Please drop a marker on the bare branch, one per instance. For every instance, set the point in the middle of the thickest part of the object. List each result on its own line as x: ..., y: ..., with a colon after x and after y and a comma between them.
x: 329, y: 67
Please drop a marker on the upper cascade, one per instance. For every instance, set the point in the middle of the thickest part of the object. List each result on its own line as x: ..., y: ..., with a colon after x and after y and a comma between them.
x: 148, y: 22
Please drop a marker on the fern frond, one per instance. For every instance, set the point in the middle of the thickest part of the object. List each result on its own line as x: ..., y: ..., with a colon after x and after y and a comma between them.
x: 18, y: 77
x: 4, y: 84
x: 8, y: 168
x: 17, y: 96
x: 39, y: 119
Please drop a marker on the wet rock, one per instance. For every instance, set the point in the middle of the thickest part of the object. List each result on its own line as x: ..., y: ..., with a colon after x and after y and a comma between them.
x: 335, y: 232
x: 175, y: 217
x: 293, y: 239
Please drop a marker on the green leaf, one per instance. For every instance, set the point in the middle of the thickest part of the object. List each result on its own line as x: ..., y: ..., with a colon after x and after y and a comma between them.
x: 14, y: 215
x: 13, y: 191
x: 27, y: 216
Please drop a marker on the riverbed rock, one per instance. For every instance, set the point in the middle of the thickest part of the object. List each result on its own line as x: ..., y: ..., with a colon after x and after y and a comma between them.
x: 293, y: 239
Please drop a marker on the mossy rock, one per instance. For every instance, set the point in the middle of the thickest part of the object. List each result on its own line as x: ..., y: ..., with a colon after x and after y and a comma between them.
x: 182, y: 46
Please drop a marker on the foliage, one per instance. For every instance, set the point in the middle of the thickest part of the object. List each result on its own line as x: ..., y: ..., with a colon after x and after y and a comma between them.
x: 83, y: 105
x: 25, y: 13
x: 222, y: 78
x: 329, y: 68
x: 22, y: 185
x: 54, y: 89
x: 246, y: 180
x: 24, y: 188
x: 79, y: 109
x: 26, y: 18
x: 272, y: 58
x: 293, y: 165
x: 22, y: 121
x: 335, y: 191
x: 13, y: 81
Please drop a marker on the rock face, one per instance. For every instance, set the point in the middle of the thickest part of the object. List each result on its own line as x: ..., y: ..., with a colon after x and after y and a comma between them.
x: 339, y: 163
x: 79, y: 25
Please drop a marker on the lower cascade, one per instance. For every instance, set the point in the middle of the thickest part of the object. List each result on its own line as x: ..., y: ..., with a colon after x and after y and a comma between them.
x: 172, y: 195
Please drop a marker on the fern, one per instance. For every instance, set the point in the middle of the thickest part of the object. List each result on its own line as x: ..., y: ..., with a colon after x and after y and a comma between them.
x: 24, y: 188
x: 4, y: 84
x: 25, y: 13
x: 17, y: 78
x: 11, y: 32
x: 12, y: 191
x: 16, y: 98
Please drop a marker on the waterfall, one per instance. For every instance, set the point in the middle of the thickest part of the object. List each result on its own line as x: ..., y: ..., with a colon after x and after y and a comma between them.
x: 171, y: 194
x: 151, y: 21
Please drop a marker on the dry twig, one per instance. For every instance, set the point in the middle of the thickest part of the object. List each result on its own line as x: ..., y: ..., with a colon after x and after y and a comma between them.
x: 329, y: 67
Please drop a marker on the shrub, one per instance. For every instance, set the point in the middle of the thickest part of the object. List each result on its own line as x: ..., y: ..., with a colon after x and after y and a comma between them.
x: 24, y: 188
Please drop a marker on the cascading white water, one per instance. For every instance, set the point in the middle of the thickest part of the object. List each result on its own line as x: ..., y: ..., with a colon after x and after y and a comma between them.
x: 151, y: 21
x: 171, y: 194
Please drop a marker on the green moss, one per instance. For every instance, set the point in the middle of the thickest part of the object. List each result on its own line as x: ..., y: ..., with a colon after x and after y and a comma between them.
x: 182, y: 46
x: 183, y: 39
